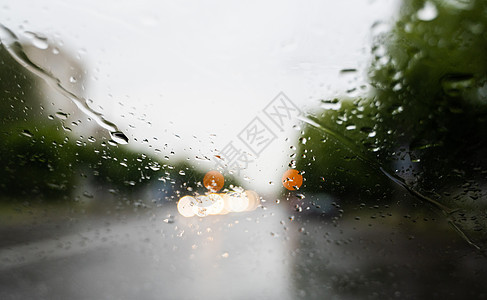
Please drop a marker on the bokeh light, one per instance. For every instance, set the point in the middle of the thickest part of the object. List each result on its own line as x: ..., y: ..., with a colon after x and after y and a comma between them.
x: 236, y: 201
x: 292, y: 179
x: 185, y: 206
x: 218, y: 204
x: 213, y: 181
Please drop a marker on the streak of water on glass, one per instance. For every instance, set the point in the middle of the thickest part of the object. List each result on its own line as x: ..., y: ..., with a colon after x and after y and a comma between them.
x: 11, y: 43
x: 363, y: 155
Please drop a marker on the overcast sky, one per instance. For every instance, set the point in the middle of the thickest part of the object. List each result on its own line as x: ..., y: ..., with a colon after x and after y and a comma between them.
x: 193, y: 74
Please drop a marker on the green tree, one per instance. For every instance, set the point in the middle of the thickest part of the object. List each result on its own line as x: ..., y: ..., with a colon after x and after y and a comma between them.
x: 423, y: 126
x: 39, y: 159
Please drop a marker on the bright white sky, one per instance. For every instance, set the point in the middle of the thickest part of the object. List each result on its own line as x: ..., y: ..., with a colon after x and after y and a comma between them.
x: 205, y: 69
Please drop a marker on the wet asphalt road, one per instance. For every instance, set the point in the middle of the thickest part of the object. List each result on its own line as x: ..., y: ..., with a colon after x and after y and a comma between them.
x: 155, y: 254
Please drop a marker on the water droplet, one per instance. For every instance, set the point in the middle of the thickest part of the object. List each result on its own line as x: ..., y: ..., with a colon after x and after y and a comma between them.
x: 155, y: 166
x: 119, y: 137
x: 27, y: 133
x: 346, y: 71
x: 169, y: 219
x: 380, y: 27
x: 61, y: 115
x: 37, y: 40
x: 334, y: 104
x: 429, y: 12
x: 398, y: 110
x: 72, y: 79
x: 397, y: 87
x: 292, y: 164
x: 379, y: 50
x: 88, y: 195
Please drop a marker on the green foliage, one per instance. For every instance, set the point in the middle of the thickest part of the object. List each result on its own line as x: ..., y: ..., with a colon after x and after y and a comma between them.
x: 340, y: 153
x: 38, y: 158
x: 425, y: 120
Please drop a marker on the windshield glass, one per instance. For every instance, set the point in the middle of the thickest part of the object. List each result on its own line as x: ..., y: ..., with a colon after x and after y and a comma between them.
x: 240, y: 150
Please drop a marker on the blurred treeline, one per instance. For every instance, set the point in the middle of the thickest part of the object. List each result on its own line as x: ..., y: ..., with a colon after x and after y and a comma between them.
x: 424, y: 120
x: 40, y: 159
